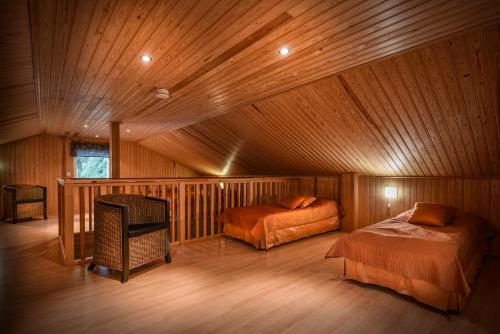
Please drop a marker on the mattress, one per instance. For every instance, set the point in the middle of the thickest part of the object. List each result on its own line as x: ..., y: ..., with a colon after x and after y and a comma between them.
x: 265, y: 226
x: 411, y: 258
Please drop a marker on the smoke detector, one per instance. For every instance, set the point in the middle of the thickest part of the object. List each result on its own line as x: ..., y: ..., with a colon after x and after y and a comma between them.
x: 161, y: 93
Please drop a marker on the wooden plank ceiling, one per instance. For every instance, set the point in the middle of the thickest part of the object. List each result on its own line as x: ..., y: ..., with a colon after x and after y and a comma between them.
x: 430, y: 112
x: 214, y: 56
x: 18, y: 116
x: 238, y: 106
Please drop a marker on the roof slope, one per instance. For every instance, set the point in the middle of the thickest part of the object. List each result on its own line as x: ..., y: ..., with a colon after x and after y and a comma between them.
x: 213, y: 56
x: 338, y: 102
x: 429, y: 112
x: 19, y: 117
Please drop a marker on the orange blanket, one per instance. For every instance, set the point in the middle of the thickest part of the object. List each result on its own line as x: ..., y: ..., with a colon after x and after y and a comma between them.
x: 434, y: 254
x: 261, y: 219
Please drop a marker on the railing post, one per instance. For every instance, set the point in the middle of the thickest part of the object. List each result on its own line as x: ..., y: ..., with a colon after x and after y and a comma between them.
x: 212, y: 208
x: 182, y: 212
x: 69, y: 238
x: 349, y: 198
x: 60, y: 215
x: 251, y: 195
x: 81, y: 201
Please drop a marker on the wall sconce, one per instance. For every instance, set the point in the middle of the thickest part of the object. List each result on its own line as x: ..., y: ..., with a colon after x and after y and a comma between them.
x: 221, y: 185
x: 390, y: 193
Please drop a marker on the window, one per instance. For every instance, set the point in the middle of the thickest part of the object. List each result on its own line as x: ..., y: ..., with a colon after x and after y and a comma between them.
x: 92, y: 167
x: 91, y: 159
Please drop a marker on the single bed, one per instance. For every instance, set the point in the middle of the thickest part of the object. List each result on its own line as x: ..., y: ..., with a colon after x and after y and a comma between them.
x: 435, y: 265
x: 265, y: 226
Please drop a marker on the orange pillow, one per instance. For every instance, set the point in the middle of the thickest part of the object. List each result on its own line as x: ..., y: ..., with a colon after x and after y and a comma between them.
x: 291, y: 201
x: 307, y: 201
x: 431, y: 214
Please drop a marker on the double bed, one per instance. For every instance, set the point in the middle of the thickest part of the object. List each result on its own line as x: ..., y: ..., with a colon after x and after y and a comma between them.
x: 265, y: 226
x: 433, y: 264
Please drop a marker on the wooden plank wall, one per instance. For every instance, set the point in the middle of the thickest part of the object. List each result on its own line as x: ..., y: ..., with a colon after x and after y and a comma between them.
x: 139, y: 161
x: 34, y: 160
x: 39, y: 160
x: 321, y: 186
x: 478, y: 195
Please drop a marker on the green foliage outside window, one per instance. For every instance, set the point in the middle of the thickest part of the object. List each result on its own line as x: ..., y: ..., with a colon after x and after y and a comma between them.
x: 92, y: 167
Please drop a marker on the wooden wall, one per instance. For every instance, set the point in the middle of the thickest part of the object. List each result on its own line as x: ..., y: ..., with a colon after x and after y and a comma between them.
x: 138, y: 161
x: 34, y: 160
x: 39, y: 160
x: 325, y: 186
x: 478, y: 195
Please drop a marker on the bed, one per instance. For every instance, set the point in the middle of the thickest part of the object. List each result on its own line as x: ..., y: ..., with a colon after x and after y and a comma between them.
x: 435, y: 265
x: 265, y: 226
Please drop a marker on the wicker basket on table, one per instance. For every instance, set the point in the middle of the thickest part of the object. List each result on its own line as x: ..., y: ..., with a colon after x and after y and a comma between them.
x: 130, y: 231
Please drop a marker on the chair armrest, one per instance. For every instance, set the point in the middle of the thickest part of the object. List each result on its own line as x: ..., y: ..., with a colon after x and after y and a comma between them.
x: 123, y: 220
x: 124, y: 212
x: 9, y: 188
x: 12, y: 191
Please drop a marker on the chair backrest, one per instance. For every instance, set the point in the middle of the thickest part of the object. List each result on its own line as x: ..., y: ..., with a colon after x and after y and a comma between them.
x: 140, y: 209
x: 26, y: 192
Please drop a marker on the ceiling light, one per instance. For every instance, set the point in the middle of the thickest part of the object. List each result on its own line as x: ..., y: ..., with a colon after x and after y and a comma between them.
x: 284, y: 51
x: 128, y: 130
x: 97, y: 136
x: 146, y: 58
x: 85, y: 126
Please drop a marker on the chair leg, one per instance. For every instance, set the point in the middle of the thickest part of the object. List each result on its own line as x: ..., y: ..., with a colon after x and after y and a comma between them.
x: 125, y: 275
x: 168, y: 256
x: 91, y: 266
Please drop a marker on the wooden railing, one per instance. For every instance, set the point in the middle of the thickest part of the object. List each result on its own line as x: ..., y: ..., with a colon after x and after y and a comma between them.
x: 195, y: 204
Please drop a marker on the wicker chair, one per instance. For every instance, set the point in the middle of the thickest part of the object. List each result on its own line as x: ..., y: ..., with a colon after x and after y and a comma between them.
x: 21, y: 201
x: 130, y: 231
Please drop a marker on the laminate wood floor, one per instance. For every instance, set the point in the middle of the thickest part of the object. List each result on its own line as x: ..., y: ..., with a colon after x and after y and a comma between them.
x: 219, y: 286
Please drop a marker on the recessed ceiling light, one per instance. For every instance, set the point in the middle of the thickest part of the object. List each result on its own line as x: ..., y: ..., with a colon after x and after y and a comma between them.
x: 85, y: 126
x: 97, y: 136
x: 284, y: 51
x: 146, y: 58
x: 128, y: 130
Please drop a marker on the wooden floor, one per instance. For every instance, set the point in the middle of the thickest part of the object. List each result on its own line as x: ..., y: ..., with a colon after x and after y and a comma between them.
x: 220, y: 286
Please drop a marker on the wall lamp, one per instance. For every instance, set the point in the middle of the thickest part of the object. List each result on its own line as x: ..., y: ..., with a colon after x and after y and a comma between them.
x: 390, y: 193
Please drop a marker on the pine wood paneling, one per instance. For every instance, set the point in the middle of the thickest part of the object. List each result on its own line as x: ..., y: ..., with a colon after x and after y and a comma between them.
x: 138, y: 161
x: 18, y: 113
x: 214, y: 56
x: 350, y: 201
x: 39, y: 160
x: 324, y: 187
x: 354, y: 94
x: 477, y: 195
x: 432, y: 111
x: 34, y: 160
